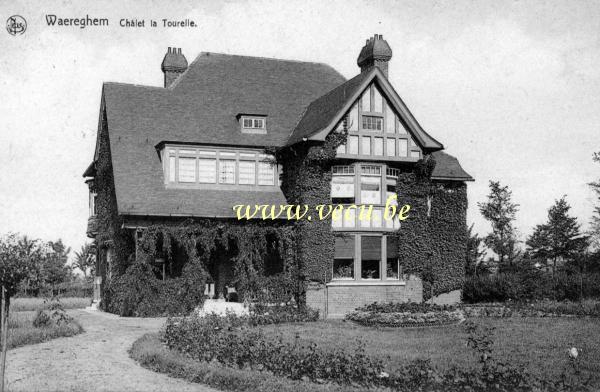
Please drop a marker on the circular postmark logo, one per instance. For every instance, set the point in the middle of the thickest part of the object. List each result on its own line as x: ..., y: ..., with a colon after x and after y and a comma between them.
x: 16, y: 25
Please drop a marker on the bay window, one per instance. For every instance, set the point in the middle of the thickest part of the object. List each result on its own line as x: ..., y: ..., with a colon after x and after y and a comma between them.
x: 363, y: 191
x: 367, y: 258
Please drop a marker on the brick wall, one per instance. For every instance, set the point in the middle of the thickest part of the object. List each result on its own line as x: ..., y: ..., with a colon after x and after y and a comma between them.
x: 335, y: 300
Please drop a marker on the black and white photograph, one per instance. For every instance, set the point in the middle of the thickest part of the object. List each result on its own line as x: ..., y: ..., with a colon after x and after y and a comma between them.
x: 300, y: 196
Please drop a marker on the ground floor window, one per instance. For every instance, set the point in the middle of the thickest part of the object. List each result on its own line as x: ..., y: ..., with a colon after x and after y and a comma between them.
x: 370, y: 256
x: 392, y: 262
x: 367, y: 257
x: 343, y: 262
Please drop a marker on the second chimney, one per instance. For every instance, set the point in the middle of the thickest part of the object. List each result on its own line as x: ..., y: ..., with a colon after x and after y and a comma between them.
x: 375, y: 53
x: 173, y: 65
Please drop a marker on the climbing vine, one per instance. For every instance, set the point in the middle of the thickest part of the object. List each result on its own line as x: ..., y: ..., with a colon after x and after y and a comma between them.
x: 307, y: 180
x: 139, y: 292
x: 432, y: 241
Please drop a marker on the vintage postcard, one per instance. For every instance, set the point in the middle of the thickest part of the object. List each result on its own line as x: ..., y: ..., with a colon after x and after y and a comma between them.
x: 263, y: 195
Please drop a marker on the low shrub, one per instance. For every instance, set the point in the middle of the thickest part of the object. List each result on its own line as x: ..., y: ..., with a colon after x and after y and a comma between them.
x: 151, y: 353
x: 263, y: 315
x: 139, y: 293
x: 547, y: 308
x: 530, y: 284
x: 52, y: 313
x: 42, y: 319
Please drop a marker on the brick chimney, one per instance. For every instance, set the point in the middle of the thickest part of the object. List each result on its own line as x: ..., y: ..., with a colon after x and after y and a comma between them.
x: 375, y: 53
x: 173, y: 65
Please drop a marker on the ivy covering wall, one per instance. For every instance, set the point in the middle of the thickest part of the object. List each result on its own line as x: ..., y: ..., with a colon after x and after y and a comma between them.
x: 307, y: 180
x: 432, y: 241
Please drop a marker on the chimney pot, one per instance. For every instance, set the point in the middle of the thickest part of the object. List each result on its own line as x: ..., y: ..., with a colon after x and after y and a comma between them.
x: 174, y: 64
x: 375, y: 53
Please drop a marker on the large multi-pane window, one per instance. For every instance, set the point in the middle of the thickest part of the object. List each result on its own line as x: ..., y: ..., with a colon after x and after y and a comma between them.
x: 368, y: 185
x: 366, y: 257
x: 376, y: 130
x: 219, y: 166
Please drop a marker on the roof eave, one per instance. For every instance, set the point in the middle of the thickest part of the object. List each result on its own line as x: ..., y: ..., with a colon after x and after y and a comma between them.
x: 440, y: 178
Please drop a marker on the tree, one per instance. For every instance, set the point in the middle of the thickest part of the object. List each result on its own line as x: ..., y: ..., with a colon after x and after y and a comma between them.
x: 559, y: 239
x: 54, y: 269
x: 16, y: 263
x: 474, y: 263
x: 500, y: 211
x: 85, y: 260
x: 595, y: 222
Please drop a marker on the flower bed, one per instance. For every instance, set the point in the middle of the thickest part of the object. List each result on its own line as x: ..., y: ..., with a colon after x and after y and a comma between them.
x: 407, y: 314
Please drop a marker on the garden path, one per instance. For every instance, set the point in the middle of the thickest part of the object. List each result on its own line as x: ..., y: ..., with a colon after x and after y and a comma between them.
x: 96, y: 360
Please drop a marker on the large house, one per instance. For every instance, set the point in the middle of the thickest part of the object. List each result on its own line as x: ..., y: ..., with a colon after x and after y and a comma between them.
x: 231, y: 130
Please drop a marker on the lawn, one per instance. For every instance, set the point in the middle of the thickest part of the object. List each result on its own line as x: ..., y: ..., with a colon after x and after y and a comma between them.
x: 24, y: 304
x: 539, y: 344
x: 20, y: 321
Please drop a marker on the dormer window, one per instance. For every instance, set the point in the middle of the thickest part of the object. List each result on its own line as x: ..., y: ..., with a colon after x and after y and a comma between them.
x: 253, y: 123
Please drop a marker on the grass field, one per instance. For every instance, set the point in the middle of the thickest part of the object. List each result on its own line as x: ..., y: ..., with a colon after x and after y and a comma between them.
x: 20, y: 322
x: 539, y: 344
x: 28, y: 304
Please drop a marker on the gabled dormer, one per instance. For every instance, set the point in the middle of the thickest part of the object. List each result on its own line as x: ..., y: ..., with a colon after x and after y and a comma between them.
x: 380, y: 126
x: 376, y: 131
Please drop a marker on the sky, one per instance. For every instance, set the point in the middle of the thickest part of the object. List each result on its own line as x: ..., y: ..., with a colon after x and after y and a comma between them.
x: 511, y: 88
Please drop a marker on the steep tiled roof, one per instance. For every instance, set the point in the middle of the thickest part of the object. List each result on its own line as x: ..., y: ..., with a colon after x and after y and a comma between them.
x: 448, y: 168
x: 201, y: 107
x: 298, y: 98
x: 322, y: 111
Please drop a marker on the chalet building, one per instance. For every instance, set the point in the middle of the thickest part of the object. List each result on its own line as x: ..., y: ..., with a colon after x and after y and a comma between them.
x: 225, y: 129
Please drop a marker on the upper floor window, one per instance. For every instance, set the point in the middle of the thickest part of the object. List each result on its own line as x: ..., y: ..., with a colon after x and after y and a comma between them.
x: 372, y: 123
x: 189, y: 166
x: 253, y: 124
x: 364, y: 184
x: 93, y: 196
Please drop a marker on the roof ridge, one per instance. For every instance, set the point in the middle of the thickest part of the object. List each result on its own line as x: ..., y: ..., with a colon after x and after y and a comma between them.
x: 264, y: 58
x: 206, y: 54
x: 134, y: 85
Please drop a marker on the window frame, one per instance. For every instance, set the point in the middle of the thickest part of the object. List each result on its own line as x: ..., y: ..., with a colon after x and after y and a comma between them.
x: 357, y: 265
x: 252, y: 126
x: 387, y: 176
x: 170, y: 161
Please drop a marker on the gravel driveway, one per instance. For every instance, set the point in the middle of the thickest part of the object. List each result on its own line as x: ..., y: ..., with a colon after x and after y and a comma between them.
x: 96, y: 360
